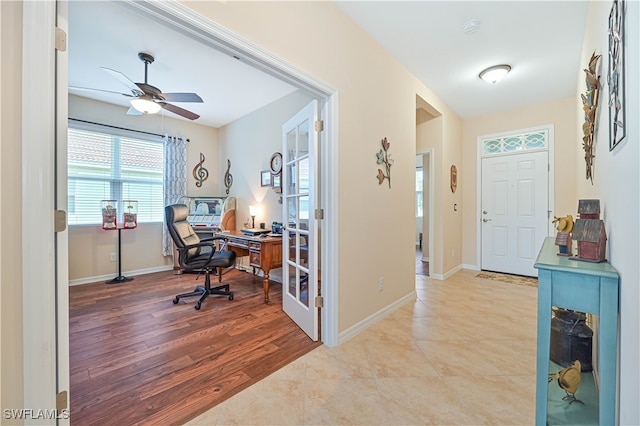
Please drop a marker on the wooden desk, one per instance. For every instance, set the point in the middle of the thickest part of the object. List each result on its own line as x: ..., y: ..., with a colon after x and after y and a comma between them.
x: 264, y: 253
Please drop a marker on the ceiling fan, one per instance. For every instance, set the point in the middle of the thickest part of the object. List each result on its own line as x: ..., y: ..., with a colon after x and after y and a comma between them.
x: 148, y: 99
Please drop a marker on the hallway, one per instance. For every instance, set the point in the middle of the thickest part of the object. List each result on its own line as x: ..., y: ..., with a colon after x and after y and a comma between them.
x: 464, y: 352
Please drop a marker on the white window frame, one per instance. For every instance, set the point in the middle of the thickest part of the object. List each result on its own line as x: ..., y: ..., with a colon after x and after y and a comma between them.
x: 116, y: 193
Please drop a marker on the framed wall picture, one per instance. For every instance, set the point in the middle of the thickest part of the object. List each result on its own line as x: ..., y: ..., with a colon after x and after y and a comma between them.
x: 276, y: 183
x: 265, y: 178
x: 616, y: 74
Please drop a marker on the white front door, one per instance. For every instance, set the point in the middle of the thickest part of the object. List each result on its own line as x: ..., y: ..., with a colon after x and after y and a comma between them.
x: 299, y: 238
x: 514, y: 211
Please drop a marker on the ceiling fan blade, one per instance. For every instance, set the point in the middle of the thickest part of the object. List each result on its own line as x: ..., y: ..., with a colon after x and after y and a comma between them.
x: 89, y: 89
x: 180, y: 111
x: 135, y: 90
x: 181, y: 97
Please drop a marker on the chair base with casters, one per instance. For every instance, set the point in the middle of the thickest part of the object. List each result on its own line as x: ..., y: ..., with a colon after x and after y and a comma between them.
x: 206, y: 290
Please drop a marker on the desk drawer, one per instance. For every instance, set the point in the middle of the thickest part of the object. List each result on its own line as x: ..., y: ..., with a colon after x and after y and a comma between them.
x: 238, y: 245
x: 254, y: 258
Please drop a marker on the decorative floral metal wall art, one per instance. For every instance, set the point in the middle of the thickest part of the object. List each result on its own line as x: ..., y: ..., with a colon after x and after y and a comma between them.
x: 590, y: 106
x: 200, y: 174
x: 615, y: 74
x: 383, y: 157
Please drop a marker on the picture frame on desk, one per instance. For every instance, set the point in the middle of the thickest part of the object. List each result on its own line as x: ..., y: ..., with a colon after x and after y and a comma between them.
x: 265, y: 178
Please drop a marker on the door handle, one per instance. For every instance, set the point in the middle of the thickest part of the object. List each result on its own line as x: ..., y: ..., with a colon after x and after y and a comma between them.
x: 486, y: 220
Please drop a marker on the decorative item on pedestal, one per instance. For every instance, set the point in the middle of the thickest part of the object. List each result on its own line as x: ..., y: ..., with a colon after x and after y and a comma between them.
x: 109, y: 214
x: 130, y: 215
x: 564, y: 225
x: 589, y: 232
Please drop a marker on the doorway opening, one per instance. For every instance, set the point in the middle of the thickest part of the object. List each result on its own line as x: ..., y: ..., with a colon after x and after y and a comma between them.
x: 423, y: 220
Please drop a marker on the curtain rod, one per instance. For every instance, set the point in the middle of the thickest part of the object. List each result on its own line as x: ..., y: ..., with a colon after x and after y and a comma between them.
x: 116, y: 127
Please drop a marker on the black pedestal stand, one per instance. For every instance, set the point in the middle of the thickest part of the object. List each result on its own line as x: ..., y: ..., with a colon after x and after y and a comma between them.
x: 120, y: 278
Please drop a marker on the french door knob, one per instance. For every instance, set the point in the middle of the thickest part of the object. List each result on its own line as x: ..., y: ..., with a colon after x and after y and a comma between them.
x: 486, y: 220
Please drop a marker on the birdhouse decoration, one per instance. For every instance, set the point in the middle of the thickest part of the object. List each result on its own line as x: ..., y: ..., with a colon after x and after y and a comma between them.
x: 589, y: 232
x: 564, y: 225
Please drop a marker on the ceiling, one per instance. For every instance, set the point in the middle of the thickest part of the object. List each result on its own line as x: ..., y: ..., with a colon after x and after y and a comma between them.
x: 229, y: 88
x: 541, y: 40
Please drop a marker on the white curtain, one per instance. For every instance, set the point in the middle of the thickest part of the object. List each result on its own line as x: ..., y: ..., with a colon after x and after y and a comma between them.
x: 175, y: 181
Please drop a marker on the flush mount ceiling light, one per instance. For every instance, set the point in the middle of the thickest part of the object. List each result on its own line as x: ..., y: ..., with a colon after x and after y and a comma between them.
x: 145, y: 104
x: 495, y: 74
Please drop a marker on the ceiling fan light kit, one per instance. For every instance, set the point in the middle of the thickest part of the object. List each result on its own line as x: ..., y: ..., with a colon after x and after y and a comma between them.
x: 495, y: 74
x: 145, y: 105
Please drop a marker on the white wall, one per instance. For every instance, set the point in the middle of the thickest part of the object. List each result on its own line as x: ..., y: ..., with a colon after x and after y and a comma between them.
x: 616, y: 183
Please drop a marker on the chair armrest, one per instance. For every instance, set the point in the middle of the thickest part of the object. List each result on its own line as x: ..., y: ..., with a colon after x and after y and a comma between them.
x: 200, y: 244
x: 223, y: 246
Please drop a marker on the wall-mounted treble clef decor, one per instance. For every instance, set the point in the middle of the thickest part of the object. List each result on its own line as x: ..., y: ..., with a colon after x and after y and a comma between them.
x: 200, y: 174
x: 228, y: 178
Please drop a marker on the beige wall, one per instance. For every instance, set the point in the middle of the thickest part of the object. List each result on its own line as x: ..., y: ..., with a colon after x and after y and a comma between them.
x: 377, y: 99
x: 11, y: 338
x: 616, y: 183
x: 90, y: 246
x: 562, y: 114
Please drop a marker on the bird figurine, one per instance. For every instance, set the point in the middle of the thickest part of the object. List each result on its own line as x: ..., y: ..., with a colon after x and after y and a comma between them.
x: 564, y: 224
x: 569, y: 380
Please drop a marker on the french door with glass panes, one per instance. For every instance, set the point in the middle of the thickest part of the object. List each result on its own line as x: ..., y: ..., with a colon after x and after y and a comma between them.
x: 299, y: 237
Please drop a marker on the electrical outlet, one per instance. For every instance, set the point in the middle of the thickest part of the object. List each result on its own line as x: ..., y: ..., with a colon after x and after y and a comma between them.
x: 112, y: 257
x: 380, y: 284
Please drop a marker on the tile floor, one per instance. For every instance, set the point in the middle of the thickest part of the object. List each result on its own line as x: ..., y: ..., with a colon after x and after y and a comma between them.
x: 463, y: 353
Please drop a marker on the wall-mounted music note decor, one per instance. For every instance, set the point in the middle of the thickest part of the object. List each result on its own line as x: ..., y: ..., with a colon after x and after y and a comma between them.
x: 228, y: 178
x: 200, y: 174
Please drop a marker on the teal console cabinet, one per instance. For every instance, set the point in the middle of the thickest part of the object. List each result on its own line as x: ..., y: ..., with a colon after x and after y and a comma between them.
x: 586, y: 287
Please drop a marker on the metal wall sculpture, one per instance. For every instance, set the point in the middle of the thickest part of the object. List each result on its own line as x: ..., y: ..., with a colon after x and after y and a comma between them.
x: 590, y: 106
x: 228, y: 177
x: 200, y: 174
x: 383, y: 157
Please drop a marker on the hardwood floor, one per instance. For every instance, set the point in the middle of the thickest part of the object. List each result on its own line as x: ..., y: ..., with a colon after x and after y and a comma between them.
x: 136, y: 358
x: 422, y: 267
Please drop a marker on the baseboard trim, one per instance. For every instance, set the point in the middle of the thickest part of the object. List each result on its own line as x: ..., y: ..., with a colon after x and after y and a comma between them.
x: 372, y: 319
x: 470, y: 267
x: 452, y: 271
x: 447, y: 274
x: 425, y: 259
x: 99, y: 278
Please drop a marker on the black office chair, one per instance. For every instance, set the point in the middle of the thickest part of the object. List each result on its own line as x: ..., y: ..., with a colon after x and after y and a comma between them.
x: 198, y: 255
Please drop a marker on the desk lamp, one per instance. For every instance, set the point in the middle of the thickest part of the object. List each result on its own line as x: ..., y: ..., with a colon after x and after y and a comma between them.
x: 253, y: 210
